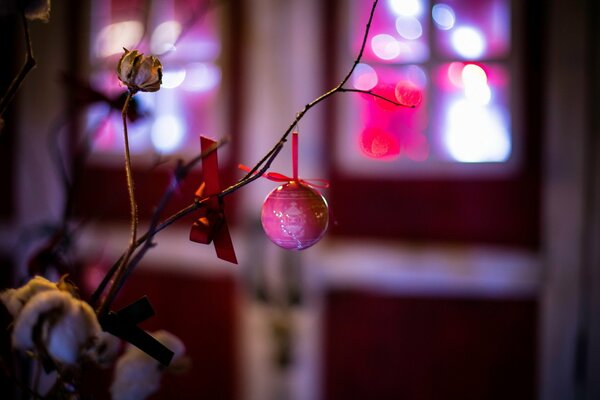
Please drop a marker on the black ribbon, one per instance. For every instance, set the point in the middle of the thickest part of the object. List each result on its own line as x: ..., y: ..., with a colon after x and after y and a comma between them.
x: 123, y: 324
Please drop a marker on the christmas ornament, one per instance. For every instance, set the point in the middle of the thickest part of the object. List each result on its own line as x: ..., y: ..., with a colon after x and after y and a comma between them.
x: 294, y: 215
x: 211, y: 225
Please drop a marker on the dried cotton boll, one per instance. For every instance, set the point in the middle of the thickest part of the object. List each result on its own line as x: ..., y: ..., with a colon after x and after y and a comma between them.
x: 33, y: 9
x: 72, y: 334
x: 37, y: 10
x: 68, y: 326
x: 15, y: 299
x: 105, y: 349
x: 139, y: 72
x: 137, y: 375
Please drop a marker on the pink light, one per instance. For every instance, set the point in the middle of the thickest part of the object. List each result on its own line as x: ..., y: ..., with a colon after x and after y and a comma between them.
x: 455, y: 73
x: 378, y: 143
x: 389, y: 92
x: 416, y: 147
x: 408, y: 93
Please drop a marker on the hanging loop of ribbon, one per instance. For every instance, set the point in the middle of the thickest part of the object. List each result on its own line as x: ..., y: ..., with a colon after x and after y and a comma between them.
x: 211, y: 225
x: 277, y: 177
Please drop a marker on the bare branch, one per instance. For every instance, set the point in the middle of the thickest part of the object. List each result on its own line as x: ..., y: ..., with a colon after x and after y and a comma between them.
x: 29, y: 64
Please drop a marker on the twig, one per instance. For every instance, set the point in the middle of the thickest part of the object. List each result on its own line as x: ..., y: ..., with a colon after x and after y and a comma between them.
x: 180, y: 173
x: 29, y: 64
x: 373, y: 94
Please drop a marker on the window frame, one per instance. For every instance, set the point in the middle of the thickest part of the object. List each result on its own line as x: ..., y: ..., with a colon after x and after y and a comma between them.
x: 483, y: 207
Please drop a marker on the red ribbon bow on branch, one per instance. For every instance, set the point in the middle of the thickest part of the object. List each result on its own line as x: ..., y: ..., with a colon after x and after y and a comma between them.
x: 277, y: 177
x: 211, y: 225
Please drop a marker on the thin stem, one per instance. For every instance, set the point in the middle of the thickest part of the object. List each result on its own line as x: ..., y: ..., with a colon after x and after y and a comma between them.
x: 134, y: 214
x: 370, y: 93
x: 29, y: 64
x: 129, y: 175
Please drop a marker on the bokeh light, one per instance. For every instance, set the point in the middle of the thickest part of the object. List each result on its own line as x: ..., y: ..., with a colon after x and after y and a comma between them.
x: 114, y: 37
x: 408, y: 8
x: 409, y: 27
x: 443, y: 16
x: 408, y: 93
x: 364, y: 77
x: 455, y: 73
x: 164, y: 37
x: 201, y: 77
x: 475, y: 84
x: 468, y: 42
x: 378, y: 143
x: 385, y: 46
x: 476, y: 133
x: 167, y: 133
x: 172, y: 78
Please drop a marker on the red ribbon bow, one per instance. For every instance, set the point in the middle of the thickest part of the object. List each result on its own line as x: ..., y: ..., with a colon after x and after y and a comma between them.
x: 211, y: 225
x: 277, y: 177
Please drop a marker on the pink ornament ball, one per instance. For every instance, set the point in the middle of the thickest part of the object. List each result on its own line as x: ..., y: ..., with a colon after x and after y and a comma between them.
x: 295, y: 216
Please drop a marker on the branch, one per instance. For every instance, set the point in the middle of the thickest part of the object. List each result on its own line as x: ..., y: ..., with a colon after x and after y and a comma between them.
x: 29, y: 64
x: 180, y: 173
x: 370, y: 93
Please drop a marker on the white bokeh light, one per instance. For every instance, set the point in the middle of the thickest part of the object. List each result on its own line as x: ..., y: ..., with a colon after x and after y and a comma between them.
x: 172, y: 78
x: 468, y: 42
x: 364, y: 77
x: 407, y: 8
x: 201, y: 77
x: 476, y: 133
x: 409, y: 27
x: 443, y: 16
x: 112, y: 38
x: 475, y: 86
x: 385, y: 46
x: 167, y: 133
x: 164, y: 37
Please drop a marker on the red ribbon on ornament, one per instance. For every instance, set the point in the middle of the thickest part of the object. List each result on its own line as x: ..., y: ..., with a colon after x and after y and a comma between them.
x: 211, y: 225
x: 277, y: 177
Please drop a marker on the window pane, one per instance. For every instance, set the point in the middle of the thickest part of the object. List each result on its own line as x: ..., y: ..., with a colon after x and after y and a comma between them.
x: 472, y: 29
x: 399, y: 31
x: 465, y: 116
x: 380, y: 130
x: 471, y: 122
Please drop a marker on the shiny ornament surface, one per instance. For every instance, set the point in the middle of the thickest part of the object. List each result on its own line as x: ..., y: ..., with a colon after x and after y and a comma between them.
x: 295, y: 216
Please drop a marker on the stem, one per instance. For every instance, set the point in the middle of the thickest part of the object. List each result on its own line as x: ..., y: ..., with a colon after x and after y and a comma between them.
x: 29, y: 64
x: 130, y: 184
x: 134, y: 215
x: 370, y: 93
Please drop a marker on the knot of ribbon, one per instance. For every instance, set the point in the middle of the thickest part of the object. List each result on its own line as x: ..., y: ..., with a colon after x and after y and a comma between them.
x: 277, y: 177
x: 124, y: 325
x: 211, y: 225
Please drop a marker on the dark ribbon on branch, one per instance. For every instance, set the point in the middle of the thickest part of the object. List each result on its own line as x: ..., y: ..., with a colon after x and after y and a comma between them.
x: 211, y: 225
x: 123, y: 324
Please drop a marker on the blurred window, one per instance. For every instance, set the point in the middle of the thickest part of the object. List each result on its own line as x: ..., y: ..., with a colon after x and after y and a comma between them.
x: 452, y: 57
